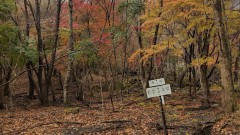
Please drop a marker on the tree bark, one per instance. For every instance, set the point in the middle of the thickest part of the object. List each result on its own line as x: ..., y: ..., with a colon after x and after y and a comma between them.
x: 70, y: 49
x: 203, y: 69
x: 31, y: 80
x: 37, y: 18
x: 54, y: 50
x: 238, y: 68
x: 79, y: 93
x: 190, y: 71
x: 27, y: 21
x: 194, y: 94
x: 1, y: 100
x: 1, y: 90
x: 228, y: 93
x: 142, y: 68
x: 204, y: 84
x: 7, y: 78
x: 29, y: 63
x: 7, y: 91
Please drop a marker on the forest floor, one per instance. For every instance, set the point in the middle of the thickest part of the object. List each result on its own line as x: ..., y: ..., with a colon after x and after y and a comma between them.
x: 132, y: 116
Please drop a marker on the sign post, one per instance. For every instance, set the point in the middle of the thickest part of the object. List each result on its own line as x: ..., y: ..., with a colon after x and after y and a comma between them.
x: 163, y: 117
x: 158, y: 88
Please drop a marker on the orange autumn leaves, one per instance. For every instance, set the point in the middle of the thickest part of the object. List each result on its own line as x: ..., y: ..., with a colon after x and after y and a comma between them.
x: 177, y: 18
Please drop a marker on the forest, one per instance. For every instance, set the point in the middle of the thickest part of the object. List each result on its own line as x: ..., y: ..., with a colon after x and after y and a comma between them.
x: 127, y: 67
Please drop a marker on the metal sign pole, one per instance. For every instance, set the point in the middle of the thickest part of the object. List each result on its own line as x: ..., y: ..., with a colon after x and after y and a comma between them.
x: 163, y: 117
x: 158, y: 89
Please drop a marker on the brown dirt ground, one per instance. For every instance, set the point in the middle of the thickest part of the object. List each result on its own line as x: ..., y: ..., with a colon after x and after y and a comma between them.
x: 133, y: 116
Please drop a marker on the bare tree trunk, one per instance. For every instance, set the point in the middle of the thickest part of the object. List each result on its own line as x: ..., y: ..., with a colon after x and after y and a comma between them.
x: 54, y: 49
x: 1, y: 100
x: 181, y: 77
x: 7, y: 78
x: 204, y: 84
x: 228, y: 93
x: 37, y: 18
x: 112, y: 84
x: 31, y: 80
x: 190, y: 72
x: 29, y: 63
x: 142, y: 68
x: 7, y: 91
x: 60, y: 80
x: 27, y: 21
x: 203, y: 49
x: 79, y: 94
x: 77, y: 75
x: 194, y: 83
x: 1, y: 90
x: 238, y: 68
x: 70, y: 49
x: 154, y: 42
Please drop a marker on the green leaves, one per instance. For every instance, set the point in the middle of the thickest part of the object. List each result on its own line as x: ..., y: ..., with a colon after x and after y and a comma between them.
x: 85, y: 52
x: 10, y: 49
x: 5, y: 9
x: 29, y: 52
x: 133, y: 8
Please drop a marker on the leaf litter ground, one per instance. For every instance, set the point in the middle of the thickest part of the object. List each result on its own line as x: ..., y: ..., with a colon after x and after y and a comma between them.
x: 135, y: 115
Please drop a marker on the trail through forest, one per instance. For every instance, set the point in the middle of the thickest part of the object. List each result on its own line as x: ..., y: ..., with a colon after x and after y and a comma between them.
x: 135, y: 115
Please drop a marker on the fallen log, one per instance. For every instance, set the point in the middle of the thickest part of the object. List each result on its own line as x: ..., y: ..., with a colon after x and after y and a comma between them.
x: 206, y: 127
x: 117, y: 121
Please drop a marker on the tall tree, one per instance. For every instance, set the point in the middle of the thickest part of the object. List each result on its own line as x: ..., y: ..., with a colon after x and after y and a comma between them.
x: 1, y: 93
x: 54, y: 48
x: 29, y: 64
x: 37, y: 19
x: 228, y: 93
x: 9, y: 52
x: 70, y: 49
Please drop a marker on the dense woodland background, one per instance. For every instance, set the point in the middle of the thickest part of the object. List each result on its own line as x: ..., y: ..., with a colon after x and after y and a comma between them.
x: 83, y: 66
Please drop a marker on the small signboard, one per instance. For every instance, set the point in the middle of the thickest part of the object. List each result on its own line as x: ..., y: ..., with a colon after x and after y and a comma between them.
x: 159, y: 91
x: 156, y: 82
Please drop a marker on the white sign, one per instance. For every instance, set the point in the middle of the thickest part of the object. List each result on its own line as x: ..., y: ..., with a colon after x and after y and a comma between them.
x: 159, y: 91
x: 156, y: 82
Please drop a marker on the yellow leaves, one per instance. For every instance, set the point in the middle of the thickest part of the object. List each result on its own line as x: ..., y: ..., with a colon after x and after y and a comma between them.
x: 190, y: 10
x: 134, y: 55
x: 152, y: 9
x: 215, y: 87
x: 233, y: 21
x: 178, y: 19
x: 148, y: 24
x: 188, y: 42
x: 183, y: 15
x: 147, y: 53
x: 178, y: 52
x: 201, y: 61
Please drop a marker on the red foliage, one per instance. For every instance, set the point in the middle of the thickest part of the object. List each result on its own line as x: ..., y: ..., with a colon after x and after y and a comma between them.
x: 80, y: 8
x: 90, y: 15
